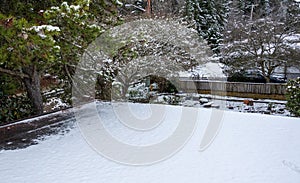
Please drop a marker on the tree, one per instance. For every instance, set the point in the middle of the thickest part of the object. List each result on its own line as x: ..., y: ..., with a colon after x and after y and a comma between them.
x: 50, y: 43
x: 167, y: 8
x: 260, y: 42
x: 292, y: 16
x: 26, y: 51
x: 28, y: 9
x: 260, y: 45
x: 79, y: 27
x: 132, y: 51
x: 81, y: 24
x: 209, y: 18
x: 150, y: 58
x: 153, y: 7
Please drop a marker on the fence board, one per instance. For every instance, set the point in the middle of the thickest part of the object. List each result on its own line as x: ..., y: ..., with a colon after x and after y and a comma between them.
x: 256, y: 88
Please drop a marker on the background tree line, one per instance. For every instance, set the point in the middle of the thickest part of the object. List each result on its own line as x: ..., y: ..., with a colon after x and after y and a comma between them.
x: 262, y: 35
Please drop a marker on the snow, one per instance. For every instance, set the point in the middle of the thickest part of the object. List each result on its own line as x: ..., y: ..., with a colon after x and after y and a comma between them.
x: 57, y: 47
x: 293, y: 41
x: 56, y: 104
x: 10, y: 49
x: 54, y: 8
x: 65, y: 4
x: 248, y: 148
x: 76, y: 8
x: 262, y: 106
x: 94, y: 26
x: 294, y: 37
x: 204, y: 70
x: 119, y: 3
x: 49, y: 28
x: 42, y: 35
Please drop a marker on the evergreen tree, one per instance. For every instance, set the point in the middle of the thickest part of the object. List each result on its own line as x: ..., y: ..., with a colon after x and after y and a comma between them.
x: 26, y: 50
x: 28, y: 9
x: 209, y: 18
x: 80, y: 24
x: 46, y: 40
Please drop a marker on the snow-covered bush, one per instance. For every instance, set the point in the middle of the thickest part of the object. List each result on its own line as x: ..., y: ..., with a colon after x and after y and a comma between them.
x: 130, y: 52
x: 293, y: 96
x: 172, y: 100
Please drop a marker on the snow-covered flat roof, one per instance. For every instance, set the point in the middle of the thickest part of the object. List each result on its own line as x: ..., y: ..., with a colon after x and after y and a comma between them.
x: 247, y: 148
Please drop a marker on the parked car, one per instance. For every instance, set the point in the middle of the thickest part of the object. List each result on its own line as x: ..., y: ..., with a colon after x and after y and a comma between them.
x: 254, y: 76
x: 278, y: 79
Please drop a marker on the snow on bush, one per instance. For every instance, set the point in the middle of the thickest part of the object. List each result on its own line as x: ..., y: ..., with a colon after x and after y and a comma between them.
x: 137, y: 49
x: 293, y: 96
x: 49, y: 28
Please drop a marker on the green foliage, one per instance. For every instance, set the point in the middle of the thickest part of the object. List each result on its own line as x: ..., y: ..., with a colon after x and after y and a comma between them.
x: 78, y: 26
x: 8, y: 85
x: 164, y: 85
x: 47, y: 37
x: 14, y: 107
x: 26, y: 51
x: 22, y: 45
x: 293, y: 96
x: 28, y: 9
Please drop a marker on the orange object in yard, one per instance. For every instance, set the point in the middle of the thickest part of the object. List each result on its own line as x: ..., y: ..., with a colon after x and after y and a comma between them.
x: 248, y: 102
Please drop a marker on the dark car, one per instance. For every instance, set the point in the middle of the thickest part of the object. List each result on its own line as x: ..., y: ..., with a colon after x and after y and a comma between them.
x: 253, y: 76
x: 277, y: 79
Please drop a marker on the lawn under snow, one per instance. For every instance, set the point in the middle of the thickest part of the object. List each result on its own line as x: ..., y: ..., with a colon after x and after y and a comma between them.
x: 249, y: 148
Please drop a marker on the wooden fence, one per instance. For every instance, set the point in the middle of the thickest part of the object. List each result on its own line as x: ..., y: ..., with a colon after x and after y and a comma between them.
x: 239, y: 87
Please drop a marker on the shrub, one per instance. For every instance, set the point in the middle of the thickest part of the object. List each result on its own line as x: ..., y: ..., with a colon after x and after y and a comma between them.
x: 14, y: 108
x: 293, y: 96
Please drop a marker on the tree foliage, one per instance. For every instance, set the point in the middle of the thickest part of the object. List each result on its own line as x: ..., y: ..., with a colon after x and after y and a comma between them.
x: 81, y: 24
x: 48, y: 38
x: 28, y: 9
x: 26, y: 51
x: 209, y: 18
x: 13, y: 107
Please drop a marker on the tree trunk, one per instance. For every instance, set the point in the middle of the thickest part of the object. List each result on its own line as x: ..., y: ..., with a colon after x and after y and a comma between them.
x: 33, y: 89
x: 171, y: 7
x: 285, y: 71
x: 125, y: 90
x: 148, y: 9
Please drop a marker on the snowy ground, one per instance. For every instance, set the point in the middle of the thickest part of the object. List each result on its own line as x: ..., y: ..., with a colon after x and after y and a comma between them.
x: 263, y: 106
x: 248, y: 148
